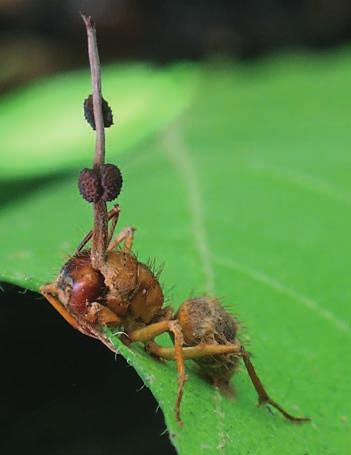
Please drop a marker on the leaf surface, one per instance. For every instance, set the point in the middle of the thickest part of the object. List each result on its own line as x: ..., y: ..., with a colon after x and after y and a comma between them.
x: 247, y: 195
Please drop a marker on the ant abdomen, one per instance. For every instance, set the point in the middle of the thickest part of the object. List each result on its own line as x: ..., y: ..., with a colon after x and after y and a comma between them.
x: 204, y: 320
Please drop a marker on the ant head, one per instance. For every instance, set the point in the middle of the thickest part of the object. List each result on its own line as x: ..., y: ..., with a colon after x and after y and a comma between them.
x: 79, y: 284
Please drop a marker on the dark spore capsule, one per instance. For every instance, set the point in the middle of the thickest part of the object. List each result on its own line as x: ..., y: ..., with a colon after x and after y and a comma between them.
x: 89, y: 112
x: 89, y: 185
x: 111, y: 182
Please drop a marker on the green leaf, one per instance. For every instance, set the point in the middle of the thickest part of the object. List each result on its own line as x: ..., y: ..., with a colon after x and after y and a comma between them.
x: 247, y: 196
x: 43, y: 125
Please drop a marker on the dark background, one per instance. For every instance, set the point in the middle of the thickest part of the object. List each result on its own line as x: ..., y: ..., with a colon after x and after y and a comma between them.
x: 39, y: 36
x: 62, y: 393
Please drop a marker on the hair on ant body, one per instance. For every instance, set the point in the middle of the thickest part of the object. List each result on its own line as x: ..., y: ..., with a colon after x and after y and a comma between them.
x: 106, y: 285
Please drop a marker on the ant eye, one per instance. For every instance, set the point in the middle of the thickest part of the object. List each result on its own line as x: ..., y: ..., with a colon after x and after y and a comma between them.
x: 68, y: 291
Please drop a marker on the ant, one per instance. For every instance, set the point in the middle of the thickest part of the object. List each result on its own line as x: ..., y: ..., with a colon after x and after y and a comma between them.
x: 106, y: 285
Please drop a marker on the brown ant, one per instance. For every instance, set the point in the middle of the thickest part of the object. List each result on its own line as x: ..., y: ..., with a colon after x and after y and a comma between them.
x: 107, y: 285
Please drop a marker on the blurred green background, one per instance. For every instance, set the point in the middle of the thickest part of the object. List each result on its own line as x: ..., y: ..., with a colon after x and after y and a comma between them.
x: 232, y: 133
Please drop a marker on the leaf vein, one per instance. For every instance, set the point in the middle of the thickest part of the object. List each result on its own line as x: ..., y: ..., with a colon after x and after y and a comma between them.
x: 305, y: 181
x: 179, y: 157
x: 281, y: 288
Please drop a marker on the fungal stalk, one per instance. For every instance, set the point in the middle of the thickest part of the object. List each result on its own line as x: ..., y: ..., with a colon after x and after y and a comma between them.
x: 100, y: 232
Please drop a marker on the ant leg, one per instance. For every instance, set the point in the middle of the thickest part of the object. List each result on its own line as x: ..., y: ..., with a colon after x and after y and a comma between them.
x: 112, y: 215
x: 204, y: 350
x: 194, y: 352
x: 48, y: 292
x: 149, y: 333
x: 102, y: 315
x: 83, y: 325
x: 166, y: 313
x: 126, y: 236
x: 263, y: 397
x: 114, y: 221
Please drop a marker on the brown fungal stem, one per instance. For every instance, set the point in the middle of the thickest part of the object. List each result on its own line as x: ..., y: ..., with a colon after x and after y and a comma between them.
x: 100, y: 232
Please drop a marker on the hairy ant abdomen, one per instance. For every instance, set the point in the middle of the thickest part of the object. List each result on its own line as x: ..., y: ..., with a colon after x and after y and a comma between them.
x: 204, y: 321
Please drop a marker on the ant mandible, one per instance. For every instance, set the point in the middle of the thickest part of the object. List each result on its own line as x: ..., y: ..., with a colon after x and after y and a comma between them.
x: 107, y: 286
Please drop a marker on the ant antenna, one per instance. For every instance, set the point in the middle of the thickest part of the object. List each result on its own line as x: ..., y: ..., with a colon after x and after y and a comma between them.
x: 103, y: 182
